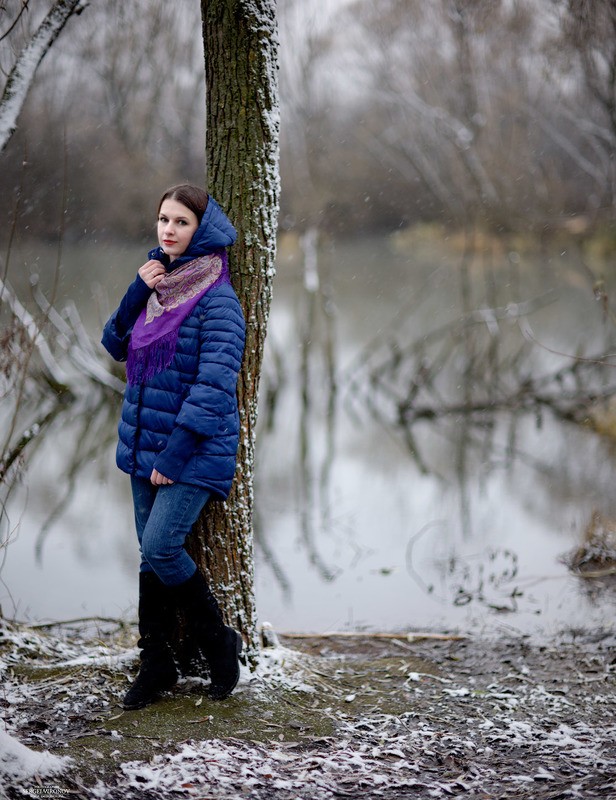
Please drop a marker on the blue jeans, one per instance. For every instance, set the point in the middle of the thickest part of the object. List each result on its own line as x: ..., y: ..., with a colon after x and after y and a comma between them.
x: 164, y: 516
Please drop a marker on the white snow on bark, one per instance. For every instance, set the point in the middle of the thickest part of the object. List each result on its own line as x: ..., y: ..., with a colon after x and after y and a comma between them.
x: 262, y: 14
x: 22, y: 75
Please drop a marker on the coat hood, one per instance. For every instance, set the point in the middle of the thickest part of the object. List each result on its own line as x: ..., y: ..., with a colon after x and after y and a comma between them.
x: 214, y: 233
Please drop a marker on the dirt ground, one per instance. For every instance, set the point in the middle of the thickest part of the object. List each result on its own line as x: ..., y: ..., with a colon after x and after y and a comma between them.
x: 323, y: 717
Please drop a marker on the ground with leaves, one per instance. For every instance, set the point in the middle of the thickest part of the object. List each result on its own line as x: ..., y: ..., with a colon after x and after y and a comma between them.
x: 328, y: 717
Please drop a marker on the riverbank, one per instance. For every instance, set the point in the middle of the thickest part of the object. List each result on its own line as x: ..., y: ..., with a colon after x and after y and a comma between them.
x: 323, y: 717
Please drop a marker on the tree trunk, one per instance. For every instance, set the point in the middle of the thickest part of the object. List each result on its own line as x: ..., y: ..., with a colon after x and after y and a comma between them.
x: 241, y: 45
x: 22, y: 74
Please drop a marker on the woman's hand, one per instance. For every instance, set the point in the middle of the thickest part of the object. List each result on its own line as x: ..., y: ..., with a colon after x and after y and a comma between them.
x: 151, y: 273
x: 159, y: 480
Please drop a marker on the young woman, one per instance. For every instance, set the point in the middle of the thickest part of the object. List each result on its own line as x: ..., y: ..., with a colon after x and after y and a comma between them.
x: 181, y: 331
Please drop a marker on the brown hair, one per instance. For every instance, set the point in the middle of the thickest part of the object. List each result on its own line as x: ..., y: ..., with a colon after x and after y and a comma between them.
x: 193, y: 197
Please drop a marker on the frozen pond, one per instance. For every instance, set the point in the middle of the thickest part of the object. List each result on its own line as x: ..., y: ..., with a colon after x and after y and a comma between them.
x: 457, y: 521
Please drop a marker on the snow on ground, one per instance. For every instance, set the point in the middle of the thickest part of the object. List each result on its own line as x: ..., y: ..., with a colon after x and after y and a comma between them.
x: 390, y: 756
x: 504, y: 719
x: 18, y: 762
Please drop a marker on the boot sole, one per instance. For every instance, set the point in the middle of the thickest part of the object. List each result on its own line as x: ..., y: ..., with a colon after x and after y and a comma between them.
x: 152, y: 699
x: 137, y: 706
x: 239, y: 642
x: 142, y: 704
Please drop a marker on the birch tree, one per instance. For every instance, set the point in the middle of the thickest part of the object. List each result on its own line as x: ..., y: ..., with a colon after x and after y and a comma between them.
x: 241, y: 61
x: 22, y: 74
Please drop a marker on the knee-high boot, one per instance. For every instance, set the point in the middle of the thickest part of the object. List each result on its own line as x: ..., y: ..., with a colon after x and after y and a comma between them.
x: 157, y: 671
x: 220, y: 644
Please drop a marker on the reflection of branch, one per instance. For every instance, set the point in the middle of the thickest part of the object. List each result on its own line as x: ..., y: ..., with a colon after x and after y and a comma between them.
x: 273, y: 379
x: 34, y: 430
x: 75, y: 341
x: 567, y: 406
x: 83, y: 452
x: 458, y: 371
x: 62, y: 384
x: 597, y: 360
x: 452, y: 330
x: 24, y: 346
x: 328, y: 307
x: 403, y: 373
x: 55, y: 372
x: 269, y: 555
x: 409, y: 558
x: 317, y: 302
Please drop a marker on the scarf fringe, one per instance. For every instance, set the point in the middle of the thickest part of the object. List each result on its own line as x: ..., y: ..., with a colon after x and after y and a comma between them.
x: 146, y: 362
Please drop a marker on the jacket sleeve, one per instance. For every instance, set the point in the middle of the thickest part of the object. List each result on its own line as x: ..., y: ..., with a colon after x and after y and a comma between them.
x: 211, y: 403
x: 116, y: 333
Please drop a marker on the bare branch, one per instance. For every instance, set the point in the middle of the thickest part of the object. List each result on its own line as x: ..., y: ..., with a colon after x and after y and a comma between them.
x: 22, y: 75
x: 18, y: 16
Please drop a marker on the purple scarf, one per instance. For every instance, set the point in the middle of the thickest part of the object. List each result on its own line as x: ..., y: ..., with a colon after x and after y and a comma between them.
x: 154, y: 337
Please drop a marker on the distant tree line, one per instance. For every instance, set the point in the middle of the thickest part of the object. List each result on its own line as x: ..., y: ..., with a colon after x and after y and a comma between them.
x: 493, y: 112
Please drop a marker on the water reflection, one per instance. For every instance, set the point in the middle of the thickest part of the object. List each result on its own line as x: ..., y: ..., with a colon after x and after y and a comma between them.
x: 481, y: 414
x: 92, y: 434
x: 317, y: 418
x: 415, y: 464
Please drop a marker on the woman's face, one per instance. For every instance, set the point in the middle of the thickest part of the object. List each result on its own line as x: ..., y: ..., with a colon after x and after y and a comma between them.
x: 176, y: 225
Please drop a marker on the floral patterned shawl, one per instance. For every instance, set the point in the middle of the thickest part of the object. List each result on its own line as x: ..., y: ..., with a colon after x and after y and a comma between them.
x: 154, y: 337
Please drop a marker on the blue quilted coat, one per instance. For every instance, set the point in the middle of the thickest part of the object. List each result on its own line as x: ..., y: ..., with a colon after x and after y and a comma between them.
x: 184, y: 421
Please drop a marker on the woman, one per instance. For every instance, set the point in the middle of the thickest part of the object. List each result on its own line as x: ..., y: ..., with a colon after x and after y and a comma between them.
x: 181, y: 331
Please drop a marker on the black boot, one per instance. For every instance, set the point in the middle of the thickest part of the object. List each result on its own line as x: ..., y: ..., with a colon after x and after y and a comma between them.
x: 221, y: 645
x: 157, y: 671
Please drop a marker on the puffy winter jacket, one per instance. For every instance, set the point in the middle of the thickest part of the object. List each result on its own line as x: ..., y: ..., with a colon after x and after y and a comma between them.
x: 184, y: 421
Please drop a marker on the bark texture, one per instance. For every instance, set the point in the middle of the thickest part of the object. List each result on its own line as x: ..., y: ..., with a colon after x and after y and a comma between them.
x: 241, y: 47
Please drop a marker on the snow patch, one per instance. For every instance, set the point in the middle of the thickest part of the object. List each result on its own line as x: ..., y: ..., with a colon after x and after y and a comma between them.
x: 19, y: 762
x: 52, y: 650
x: 280, y: 666
x: 232, y: 764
